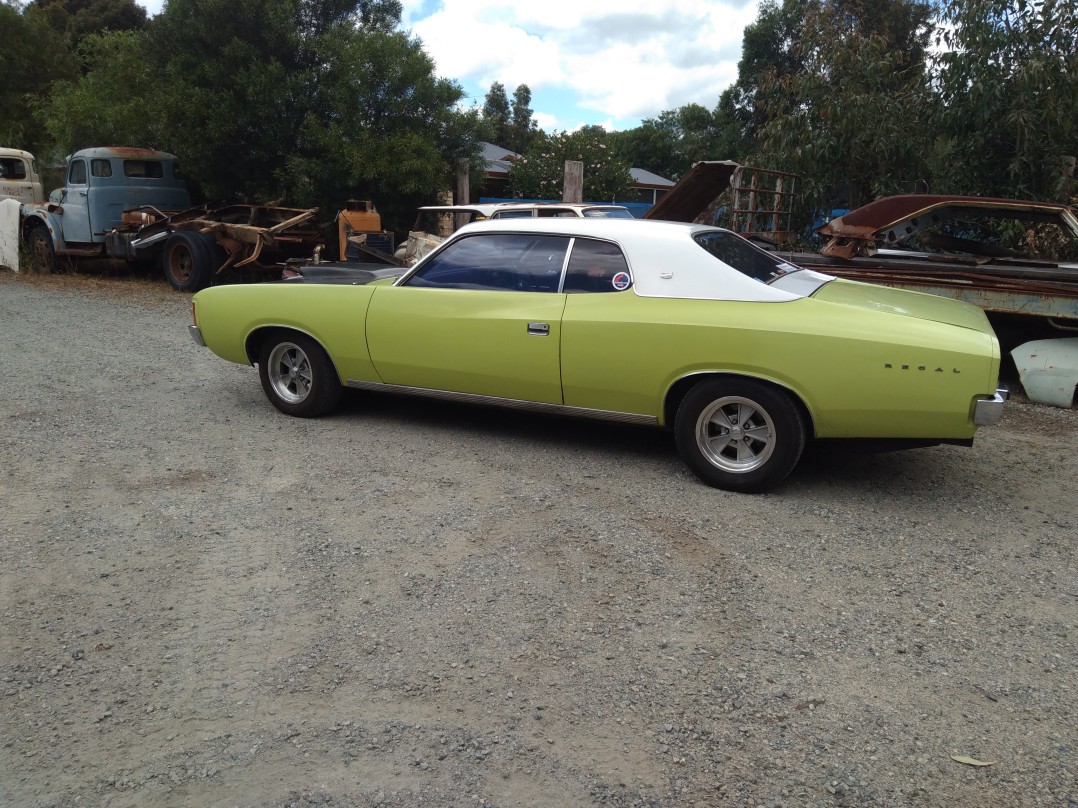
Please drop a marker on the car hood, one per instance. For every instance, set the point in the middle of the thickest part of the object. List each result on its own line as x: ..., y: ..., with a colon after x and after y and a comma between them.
x: 900, y: 301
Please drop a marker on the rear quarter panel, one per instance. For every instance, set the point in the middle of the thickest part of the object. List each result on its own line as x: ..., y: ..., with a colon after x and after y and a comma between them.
x: 859, y: 373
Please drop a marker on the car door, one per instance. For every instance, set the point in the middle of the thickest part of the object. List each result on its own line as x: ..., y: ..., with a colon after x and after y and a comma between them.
x: 610, y: 339
x: 483, y: 317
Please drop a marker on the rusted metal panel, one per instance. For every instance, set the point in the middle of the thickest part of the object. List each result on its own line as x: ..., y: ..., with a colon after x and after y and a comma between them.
x: 694, y: 192
x: 891, y: 220
x: 895, y: 217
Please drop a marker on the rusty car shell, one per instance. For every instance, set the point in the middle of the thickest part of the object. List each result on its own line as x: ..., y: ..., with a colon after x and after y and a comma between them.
x: 252, y: 236
x: 869, y: 244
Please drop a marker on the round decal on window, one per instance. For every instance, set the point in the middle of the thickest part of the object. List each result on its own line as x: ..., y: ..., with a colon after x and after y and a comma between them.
x: 621, y: 281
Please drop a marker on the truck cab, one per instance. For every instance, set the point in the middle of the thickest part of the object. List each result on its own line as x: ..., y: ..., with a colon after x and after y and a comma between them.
x: 86, y: 217
x: 19, y: 177
x: 103, y: 183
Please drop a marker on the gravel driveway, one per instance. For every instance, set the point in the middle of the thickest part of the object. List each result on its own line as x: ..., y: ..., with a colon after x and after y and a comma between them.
x: 207, y: 603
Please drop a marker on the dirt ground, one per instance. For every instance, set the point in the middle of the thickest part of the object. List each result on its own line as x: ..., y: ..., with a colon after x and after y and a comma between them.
x: 207, y: 603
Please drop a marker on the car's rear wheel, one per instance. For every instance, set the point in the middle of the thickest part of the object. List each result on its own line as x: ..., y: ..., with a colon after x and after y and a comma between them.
x: 739, y: 434
x: 298, y: 376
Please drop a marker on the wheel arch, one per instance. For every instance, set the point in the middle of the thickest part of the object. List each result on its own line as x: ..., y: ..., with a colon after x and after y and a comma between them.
x: 258, y: 336
x: 49, y: 222
x: 680, y: 388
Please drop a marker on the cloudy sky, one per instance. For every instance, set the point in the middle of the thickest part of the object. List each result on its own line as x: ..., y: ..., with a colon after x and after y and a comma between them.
x: 606, y: 62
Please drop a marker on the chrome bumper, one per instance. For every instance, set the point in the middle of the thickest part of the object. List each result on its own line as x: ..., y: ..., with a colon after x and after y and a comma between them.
x: 988, y: 411
x: 196, y: 335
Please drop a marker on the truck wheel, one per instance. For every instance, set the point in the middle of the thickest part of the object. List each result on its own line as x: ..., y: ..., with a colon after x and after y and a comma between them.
x: 186, y: 261
x: 42, y: 252
x: 216, y: 253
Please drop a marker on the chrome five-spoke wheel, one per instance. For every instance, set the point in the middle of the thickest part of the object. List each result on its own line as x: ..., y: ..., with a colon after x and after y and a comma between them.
x: 297, y: 375
x: 739, y: 434
x: 735, y: 434
x: 289, y: 372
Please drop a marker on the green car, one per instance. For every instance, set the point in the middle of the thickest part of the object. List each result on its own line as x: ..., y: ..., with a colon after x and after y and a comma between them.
x: 744, y: 356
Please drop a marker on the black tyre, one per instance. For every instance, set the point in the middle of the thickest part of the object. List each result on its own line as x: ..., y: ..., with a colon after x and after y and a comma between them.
x: 298, y: 376
x: 42, y: 251
x: 186, y: 261
x: 739, y: 434
x: 216, y: 253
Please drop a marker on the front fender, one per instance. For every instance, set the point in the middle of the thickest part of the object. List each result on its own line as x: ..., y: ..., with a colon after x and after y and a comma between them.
x: 36, y: 217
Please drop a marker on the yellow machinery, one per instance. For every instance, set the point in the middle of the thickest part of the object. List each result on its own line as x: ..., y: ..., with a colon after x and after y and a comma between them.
x: 359, y: 231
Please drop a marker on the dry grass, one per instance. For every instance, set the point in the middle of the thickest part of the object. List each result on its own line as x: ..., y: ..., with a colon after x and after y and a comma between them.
x: 103, y: 283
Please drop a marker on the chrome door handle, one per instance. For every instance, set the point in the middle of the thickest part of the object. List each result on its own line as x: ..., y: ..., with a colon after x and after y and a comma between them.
x: 539, y: 329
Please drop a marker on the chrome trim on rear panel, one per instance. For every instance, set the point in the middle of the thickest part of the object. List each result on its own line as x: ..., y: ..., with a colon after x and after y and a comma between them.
x: 988, y: 411
x: 509, y: 403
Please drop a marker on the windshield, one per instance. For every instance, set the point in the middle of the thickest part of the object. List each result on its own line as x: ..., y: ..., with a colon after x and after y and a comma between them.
x: 739, y: 253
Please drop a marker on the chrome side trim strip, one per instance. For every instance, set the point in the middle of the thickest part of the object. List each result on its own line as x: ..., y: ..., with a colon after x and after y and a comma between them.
x: 509, y: 403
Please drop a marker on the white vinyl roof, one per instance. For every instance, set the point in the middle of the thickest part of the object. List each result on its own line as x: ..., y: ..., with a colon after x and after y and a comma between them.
x: 663, y: 258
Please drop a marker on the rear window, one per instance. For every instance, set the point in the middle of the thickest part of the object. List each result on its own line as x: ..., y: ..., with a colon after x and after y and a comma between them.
x: 739, y: 253
x: 607, y: 213
x: 151, y: 169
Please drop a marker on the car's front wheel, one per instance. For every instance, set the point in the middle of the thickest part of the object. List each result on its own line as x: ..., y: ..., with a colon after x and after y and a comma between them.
x: 739, y: 434
x: 298, y: 376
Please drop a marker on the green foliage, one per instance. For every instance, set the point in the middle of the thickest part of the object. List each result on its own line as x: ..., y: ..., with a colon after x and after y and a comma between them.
x: 540, y: 173
x: 312, y: 101
x: 496, y: 115
x: 853, y: 119
x: 506, y: 124
x: 77, y: 19
x: 1009, y: 84
x: 32, y: 57
x: 117, y: 68
x: 769, y: 47
x: 670, y: 144
x: 844, y: 93
x: 522, y: 127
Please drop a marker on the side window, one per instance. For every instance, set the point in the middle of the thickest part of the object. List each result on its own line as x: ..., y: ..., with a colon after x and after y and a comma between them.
x: 77, y: 173
x: 501, y: 261
x: 101, y: 168
x: 12, y: 168
x: 513, y: 214
x: 596, y: 266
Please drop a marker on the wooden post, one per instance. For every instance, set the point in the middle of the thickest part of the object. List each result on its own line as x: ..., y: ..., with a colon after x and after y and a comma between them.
x: 463, y: 193
x: 574, y: 181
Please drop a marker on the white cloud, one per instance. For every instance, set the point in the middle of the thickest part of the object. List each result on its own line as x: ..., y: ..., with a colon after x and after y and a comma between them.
x: 619, y: 63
